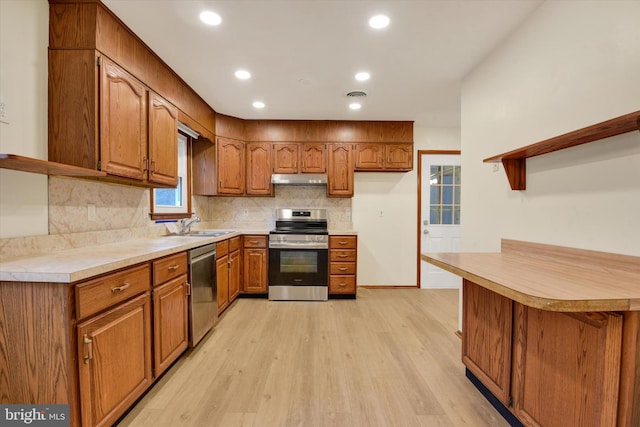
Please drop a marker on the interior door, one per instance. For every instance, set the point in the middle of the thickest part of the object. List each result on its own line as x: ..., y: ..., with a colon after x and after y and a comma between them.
x: 439, y: 215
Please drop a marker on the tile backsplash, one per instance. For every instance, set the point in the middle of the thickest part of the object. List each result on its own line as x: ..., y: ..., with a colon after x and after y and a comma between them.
x: 86, y: 212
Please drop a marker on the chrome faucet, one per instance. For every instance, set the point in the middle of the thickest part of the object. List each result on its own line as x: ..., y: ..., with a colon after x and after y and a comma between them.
x: 186, y: 223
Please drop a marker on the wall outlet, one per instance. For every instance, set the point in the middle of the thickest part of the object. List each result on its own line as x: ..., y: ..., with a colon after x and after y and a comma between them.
x: 245, y: 212
x: 4, y: 114
x: 380, y: 213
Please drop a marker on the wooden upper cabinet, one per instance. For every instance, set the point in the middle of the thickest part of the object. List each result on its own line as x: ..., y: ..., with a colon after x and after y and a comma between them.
x: 123, y: 124
x: 230, y: 166
x: 369, y: 156
x: 163, y: 141
x: 259, y: 169
x: 384, y: 157
x: 314, y: 158
x: 340, y: 174
x: 286, y: 157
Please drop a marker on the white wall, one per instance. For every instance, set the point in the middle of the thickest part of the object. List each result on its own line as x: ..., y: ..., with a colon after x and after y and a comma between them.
x: 387, y: 245
x: 24, y: 37
x: 572, y: 64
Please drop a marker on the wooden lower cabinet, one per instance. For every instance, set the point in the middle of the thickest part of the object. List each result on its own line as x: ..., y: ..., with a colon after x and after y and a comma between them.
x: 551, y: 368
x: 114, y: 360
x: 486, y: 344
x: 566, y: 367
x: 255, y: 264
x: 170, y: 323
x: 343, y: 255
x: 228, y: 271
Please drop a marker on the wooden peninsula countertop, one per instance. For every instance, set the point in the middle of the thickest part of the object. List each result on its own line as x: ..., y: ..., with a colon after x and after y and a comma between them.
x: 551, y: 278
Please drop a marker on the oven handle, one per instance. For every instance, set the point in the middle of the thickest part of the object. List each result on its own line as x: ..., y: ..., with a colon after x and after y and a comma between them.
x: 311, y: 245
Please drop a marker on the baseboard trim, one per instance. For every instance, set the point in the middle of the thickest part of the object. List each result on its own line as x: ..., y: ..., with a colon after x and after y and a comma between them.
x: 387, y: 287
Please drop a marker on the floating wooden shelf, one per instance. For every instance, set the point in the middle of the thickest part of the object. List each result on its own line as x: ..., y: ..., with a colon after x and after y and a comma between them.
x: 514, y: 162
x: 28, y: 164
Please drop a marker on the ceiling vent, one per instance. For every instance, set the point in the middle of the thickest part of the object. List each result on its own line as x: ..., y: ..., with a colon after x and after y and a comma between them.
x: 357, y: 94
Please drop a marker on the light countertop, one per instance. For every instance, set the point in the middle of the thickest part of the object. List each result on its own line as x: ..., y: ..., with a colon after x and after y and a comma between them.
x: 72, y: 265
x: 547, y: 283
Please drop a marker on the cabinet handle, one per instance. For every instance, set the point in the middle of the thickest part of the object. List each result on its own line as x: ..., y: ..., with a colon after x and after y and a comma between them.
x: 342, y: 284
x: 255, y: 242
x: 145, y: 164
x: 342, y: 256
x: 343, y: 269
x: 173, y: 267
x: 153, y: 166
x: 88, y: 342
x: 120, y: 288
x: 342, y: 242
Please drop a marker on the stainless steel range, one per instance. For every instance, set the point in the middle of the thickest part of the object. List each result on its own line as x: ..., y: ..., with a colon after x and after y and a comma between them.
x: 298, y: 256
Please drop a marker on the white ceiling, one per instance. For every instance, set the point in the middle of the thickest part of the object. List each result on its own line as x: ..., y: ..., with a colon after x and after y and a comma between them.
x: 303, y: 54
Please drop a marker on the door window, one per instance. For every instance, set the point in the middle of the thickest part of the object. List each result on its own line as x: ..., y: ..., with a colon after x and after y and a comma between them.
x: 444, y: 188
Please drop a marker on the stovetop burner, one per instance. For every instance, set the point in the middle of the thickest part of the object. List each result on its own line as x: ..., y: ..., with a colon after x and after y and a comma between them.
x: 301, y: 221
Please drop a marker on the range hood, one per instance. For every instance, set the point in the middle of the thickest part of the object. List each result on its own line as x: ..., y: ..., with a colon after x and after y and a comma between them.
x: 299, y: 178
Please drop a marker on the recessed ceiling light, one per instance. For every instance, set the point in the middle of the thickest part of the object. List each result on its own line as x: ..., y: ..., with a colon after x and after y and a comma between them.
x: 379, y: 21
x: 258, y: 104
x: 210, y: 18
x: 362, y: 76
x: 243, y: 74
x: 355, y: 105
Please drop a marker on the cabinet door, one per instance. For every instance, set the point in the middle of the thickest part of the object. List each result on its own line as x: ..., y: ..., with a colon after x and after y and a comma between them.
x: 170, y: 323
x: 255, y: 271
x: 486, y: 338
x: 285, y: 157
x: 399, y: 157
x: 163, y: 141
x: 114, y: 360
x: 230, y: 164
x: 123, y: 122
x: 259, y: 169
x: 235, y: 270
x: 222, y: 275
x: 369, y: 157
x: 566, y: 367
x: 340, y: 175
x: 314, y: 158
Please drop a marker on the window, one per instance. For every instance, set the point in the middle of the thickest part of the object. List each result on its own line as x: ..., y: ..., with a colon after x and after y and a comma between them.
x: 445, y: 195
x: 175, y: 203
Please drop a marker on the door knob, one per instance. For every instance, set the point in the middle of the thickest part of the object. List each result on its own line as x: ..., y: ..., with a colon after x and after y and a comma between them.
x: 425, y: 231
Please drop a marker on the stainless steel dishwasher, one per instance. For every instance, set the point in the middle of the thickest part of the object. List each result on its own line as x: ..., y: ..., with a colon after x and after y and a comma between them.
x: 203, y: 301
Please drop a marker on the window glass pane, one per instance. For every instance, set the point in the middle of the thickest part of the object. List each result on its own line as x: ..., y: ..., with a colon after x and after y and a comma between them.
x: 174, y: 200
x: 434, y: 215
x: 447, y: 175
x: 447, y: 195
x: 456, y: 215
x: 435, y: 195
x: 456, y: 195
x: 435, y: 175
x: 456, y: 175
x: 447, y: 215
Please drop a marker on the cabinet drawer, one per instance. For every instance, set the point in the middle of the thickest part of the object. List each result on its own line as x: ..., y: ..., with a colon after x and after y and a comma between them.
x: 344, y: 268
x: 103, y: 292
x: 255, y: 241
x: 346, y: 255
x: 342, y: 284
x: 343, y: 242
x: 222, y: 248
x: 234, y: 243
x: 167, y: 268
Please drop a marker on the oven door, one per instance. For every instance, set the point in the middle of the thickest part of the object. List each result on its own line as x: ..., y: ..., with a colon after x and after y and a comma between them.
x: 298, y: 267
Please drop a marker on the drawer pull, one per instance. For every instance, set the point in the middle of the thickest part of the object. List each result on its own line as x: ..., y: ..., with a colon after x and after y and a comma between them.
x: 88, y: 342
x: 120, y: 288
x: 343, y: 256
x: 343, y: 269
x: 173, y: 267
x: 342, y: 284
x: 255, y: 242
x: 342, y: 242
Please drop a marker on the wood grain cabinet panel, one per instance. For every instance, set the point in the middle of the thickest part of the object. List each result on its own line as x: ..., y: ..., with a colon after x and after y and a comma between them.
x: 163, y: 141
x: 286, y: 157
x: 170, y: 323
x: 222, y: 274
x: 114, y: 360
x: 229, y: 271
x: 566, y: 367
x: 383, y: 157
x: 259, y: 169
x: 486, y: 340
x: 314, y: 158
x: 230, y: 166
x: 340, y: 170
x: 369, y: 157
x: 343, y: 265
x: 255, y: 264
x: 399, y: 157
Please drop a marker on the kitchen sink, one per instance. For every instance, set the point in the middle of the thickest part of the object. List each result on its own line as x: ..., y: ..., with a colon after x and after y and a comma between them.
x: 209, y: 233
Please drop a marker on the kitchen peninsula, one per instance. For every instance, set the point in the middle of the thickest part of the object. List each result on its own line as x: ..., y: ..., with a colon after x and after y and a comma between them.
x: 552, y: 332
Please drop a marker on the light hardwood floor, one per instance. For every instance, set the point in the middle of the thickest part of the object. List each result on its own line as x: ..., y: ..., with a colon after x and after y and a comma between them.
x: 389, y: 358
